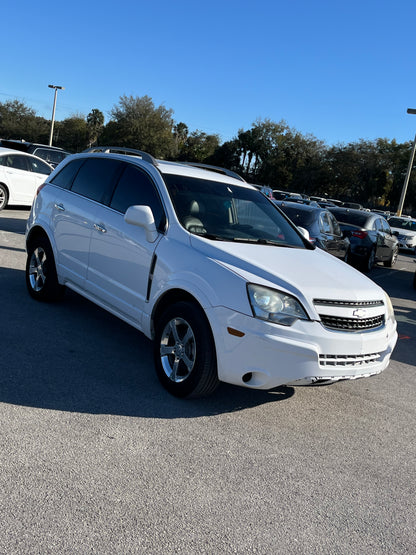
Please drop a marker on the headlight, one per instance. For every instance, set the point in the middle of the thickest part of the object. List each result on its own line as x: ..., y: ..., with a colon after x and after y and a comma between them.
x: 275, y: 306
x: 390, y: 311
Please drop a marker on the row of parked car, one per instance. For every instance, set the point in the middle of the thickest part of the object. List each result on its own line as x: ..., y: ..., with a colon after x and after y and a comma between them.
x: 358, y: 237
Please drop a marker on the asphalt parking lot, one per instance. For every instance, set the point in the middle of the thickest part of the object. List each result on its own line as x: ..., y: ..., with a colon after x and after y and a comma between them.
x: 96, y: 457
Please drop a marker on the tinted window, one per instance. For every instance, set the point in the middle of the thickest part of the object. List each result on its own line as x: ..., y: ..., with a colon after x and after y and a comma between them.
x: 51, y: 156
x: 39, y: 167
x: 65, y: 177
x: 96, y: 177
x: 326, y: 226
x: 355, y: 218
x: 136, y: 187
x: 298, y: 216
x: 335, y: 226
x: 17, y: 162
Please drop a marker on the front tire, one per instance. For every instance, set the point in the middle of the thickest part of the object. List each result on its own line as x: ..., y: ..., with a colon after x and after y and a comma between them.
x: 184, y: 351
x: 4, y: 196
x: 41, y: 278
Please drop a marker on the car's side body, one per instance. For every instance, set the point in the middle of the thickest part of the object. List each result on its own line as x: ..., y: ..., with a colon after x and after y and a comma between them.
x: 323, y: 228
x: 370, y: 235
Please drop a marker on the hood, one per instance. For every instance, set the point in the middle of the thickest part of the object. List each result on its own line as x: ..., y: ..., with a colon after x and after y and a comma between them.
x: 404, y: 232
x: 307, y: 274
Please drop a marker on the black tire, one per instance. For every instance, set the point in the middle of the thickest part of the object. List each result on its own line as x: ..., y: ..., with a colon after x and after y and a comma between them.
x: 347, y: 257
x: 392, y: 260
x: 368, y: 264
x: 4, y: 196
x: 184, y: 351
x: 41, y: 279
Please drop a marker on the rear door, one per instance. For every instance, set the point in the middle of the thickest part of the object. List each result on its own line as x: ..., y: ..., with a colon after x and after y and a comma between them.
x: 20, y: 181
x: 81, y: 186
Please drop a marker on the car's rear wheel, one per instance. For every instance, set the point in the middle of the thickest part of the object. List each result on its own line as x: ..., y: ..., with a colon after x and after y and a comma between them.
x: 184, y: 351
x: 368, y: 264
x: 41, y: 279
x: 392, y: 260
x: 4, y: 196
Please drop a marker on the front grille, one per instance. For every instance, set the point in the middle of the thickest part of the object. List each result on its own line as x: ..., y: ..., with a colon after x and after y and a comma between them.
x: 351, y: 324
x: 342, y: 361
x: 350, y: 316
x: 348, y: 304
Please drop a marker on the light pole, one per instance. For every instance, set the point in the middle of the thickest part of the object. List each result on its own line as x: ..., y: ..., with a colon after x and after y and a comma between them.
x: 409, y: 169
x: 56, y: 87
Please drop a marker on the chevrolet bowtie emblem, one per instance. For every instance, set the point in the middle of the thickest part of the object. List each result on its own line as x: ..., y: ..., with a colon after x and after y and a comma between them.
x: 360, y: 313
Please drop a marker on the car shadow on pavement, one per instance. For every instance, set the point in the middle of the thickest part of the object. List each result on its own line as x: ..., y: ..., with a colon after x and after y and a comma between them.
x: 13, y: 224
x: 74, y: 356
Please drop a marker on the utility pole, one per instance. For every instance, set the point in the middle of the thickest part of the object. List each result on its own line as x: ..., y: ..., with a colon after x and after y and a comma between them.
x: 409, y: 169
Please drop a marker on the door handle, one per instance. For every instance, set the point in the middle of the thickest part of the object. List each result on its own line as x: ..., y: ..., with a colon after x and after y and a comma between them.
x: 60, y: 206
x: 100, y: 228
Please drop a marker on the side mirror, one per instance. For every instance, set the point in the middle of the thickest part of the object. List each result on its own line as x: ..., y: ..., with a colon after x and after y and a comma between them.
x: 142, y: 216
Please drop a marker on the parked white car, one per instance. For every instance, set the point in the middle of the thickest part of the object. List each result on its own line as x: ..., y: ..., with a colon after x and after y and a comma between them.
x: 210, y: 269
x: 20, y: 176
x: 405, y: 229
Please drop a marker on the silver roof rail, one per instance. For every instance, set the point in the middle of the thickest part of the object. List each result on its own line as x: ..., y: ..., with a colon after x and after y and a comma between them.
x: 217, y: 169
x: 123, y: 150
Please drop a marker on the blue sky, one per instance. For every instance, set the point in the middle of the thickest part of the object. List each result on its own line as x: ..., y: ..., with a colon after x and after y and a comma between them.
x: 341, y: 71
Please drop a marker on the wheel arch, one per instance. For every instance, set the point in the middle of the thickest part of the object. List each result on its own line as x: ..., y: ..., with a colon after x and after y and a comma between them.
x: 35, y: 233
x: 170, y: 297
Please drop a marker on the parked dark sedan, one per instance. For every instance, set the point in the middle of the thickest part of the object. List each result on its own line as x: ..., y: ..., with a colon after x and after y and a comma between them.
x: 370, y: 235
x: 323, y: 228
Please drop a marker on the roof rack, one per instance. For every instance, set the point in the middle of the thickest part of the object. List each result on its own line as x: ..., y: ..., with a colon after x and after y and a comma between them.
x: 123, y: 150
x: 217, y: 169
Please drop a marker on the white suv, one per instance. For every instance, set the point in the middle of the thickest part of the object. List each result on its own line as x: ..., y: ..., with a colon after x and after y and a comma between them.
x: 210, y: 269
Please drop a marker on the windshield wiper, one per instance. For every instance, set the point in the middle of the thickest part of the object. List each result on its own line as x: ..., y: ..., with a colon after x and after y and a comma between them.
x: 260, y: 241
x: 211, y: 236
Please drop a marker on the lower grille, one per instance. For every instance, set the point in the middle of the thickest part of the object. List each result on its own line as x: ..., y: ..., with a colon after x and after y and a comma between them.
x: 342, y: 361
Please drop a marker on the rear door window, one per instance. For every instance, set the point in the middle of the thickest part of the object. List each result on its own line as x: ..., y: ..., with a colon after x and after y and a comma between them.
x: 96, y: 177
x: 66, y: 176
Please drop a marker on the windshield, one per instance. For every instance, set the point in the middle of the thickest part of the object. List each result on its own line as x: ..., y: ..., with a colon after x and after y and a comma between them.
x: 224, y: 212
x: 410, y: 225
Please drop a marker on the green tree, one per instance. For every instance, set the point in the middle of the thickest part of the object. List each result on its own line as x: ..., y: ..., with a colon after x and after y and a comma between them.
x: 137, y: 123
x: 95, y: 126
x: 72, y: 134
x: 198, y: 147
x: 18, y: 121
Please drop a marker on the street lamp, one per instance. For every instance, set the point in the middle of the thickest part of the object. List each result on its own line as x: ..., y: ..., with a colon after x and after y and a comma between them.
x: 56, y: 87
x: 409, y: 169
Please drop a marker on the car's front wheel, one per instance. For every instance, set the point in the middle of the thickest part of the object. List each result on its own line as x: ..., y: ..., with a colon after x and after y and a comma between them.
x: 41, y: 279
x: 4, y: 196
x: 184, y: 351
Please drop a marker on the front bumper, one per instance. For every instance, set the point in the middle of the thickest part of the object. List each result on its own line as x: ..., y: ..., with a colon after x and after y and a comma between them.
x: 263, y: 355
